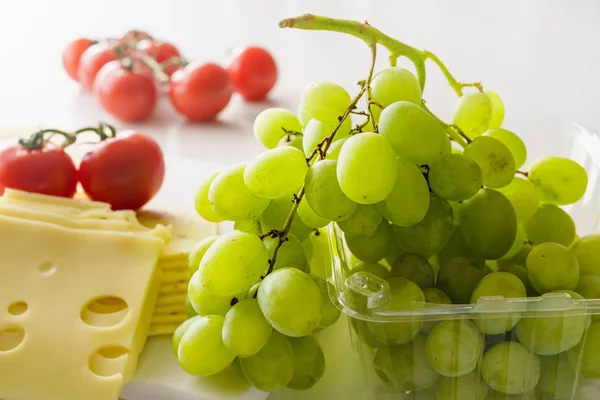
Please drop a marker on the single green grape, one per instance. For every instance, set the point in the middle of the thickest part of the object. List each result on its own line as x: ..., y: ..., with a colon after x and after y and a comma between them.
x: 362, y: 158
x: 432, y: 233
x: 435, y: 296
x: 587, y: 252
x: 275, y: 215
x: 309, y: 217
x: 561, y: 180
x: 364, y: 221
x: 550, y: 223
x: 272, y: 368
x: 488, y: 224
x: 206, y: 303
x: 497, y: 108
x: 231, y: 198
x: 455, y: 177
x: 323, y: 192
x: 333, y: 152
x: 233, y: 263
x: 495, y: 160
x: 406, y: 207
x: 473, y: 114
x: 176, y: 340
x: 372, y: 268
x: 374, y: 247
x: 316, y: 131
x: 309, y: 363
x: 512, y: 141
x: 395, y: 84
x: 458, y: 277
x: 324, y: 101
x: 415, y: 268
x: 551, y: 332
x: 551, y: 267
x: 249, y: 226
x: 291, y: 253
x: 399, y: 122
x: 245, y: 330
x: 201, y: 351
x: 524, y: 197
x: 585, y: 356
x: 276, y: 172
x: 329, y: 312
x: 291, y: 140
x: 454, y: 347
x: 469, y: 386
x: 202, y: 204
x: 510, y: 368
x: 291, y: 302
x: 520, y: 272
x: 520, y: 239
x: 195, y: 256
x: 557, y: 380
x: 270, y: 125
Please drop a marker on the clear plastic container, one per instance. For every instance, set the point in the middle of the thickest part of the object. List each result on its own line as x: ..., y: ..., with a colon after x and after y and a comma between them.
x: 395, y: 361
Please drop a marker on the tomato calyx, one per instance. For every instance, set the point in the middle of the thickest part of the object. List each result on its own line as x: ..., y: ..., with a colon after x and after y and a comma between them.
x: 39, y: 139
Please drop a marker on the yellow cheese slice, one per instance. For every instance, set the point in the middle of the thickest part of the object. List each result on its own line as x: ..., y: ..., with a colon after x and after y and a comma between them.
x: 169, y: 319
x: 56, y: 286
x: 176, y: 275
x: 163, y: 329
x: 54, y: 200
x: 171, y: 299
x: 169, y: 309
x: 172, y: 288
x: 173, y: 263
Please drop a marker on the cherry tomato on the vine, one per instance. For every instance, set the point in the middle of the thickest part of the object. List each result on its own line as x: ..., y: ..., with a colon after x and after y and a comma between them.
x: 126, y: 91
x: 254, y: 73
x: 200, y: 92
x: 92, y: 60
x: 126, y: 171
x: 161, y: 52
x: 47, y: 170
x: 72, y: 54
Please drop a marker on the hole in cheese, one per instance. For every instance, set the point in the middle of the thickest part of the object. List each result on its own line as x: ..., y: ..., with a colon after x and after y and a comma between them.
x: 11, y: 337
x: 47, y: 268
x: 18, y: 308
x: 109, y: 360
x: 105, y: 311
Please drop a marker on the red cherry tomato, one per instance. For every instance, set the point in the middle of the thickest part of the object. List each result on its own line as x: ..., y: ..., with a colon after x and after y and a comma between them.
x: 92, y: 60
x: 200, y: 92
x: 126, y: 171
x: 48, y: 170
x: 254, y: 73
x: 161, y: 52
x: 128, y: 94
x: 72, y: 54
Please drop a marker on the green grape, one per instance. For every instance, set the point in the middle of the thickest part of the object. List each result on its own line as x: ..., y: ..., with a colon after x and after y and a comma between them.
x: 291, y: 253
x: 309, y: 217
x: 551, y: 332
x: 497, y: 108
x: 524, y: 197
x: 202, y: 205
x: 371, y: 248
x: 323, y: 192
x: 488, y: 224
x: 455, y: 177
x: 316, y: 131
x: 276, y: 172
x: 587, y: 252
x: 512, y: 142
x: 233, y: 263
x: 561, y: 180
x: 432, y: 233
x: 320, y: 262
x: 502, y: 284
x: 435, y: 296
x: 245, y: 330
x: 372, y: 268
x: 291, y: 302
x: 362, y: 158
x: 552, y: 267
x: 324, y: 101
x: 205, y: 303
x: 510, y: 368
x: 469, y: 386
x: 406, y: 207
x: 395, y: 84
x: 333, y: 152
x: 457, y: 247
x: 585, y: 357
x: 550, y: 223
x: 557, y: 380
x: 275, y: 215
x: 405, y: 296
x: 195, y: 256
x: 189, y: 308
x: 329, y: 312
x: 291, y: 141
x: 309, y: 363
x: 406, y: 365
x: 180, y: 331
x: 531, y: 395
x: 453, y: 347
x: 415, y: 268
x: 458, y: 278
x: 399, y: 122
x: 473, y: 114
x: 364, y: 221
x: 201, y: 351
x: 521, y: 273
x: 248, y: 226
x: 231, y: 198
x: 495, y: 160
x: 270, y: 125
x: 427, y: 394
x: 272, y: 368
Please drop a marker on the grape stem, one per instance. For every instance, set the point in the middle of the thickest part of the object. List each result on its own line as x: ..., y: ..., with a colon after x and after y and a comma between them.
x: 452, y: 130
x: 524, y: 173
